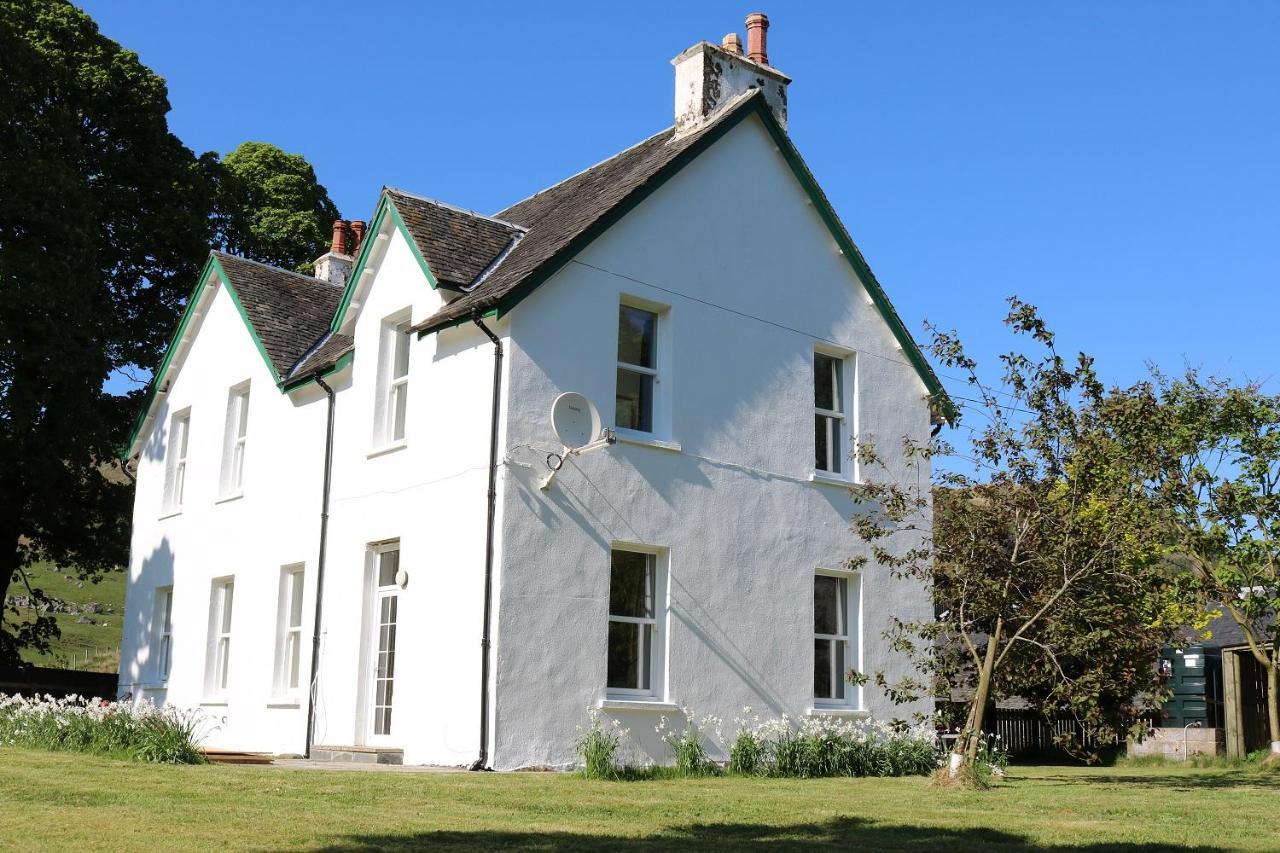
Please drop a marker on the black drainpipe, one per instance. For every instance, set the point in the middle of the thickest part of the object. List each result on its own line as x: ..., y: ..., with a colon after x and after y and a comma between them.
x: 324, y: 537
x: 488, y: 543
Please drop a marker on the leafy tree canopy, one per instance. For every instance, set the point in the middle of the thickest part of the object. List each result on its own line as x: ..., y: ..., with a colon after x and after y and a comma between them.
x: 271, y: 207
x: 105, y: 218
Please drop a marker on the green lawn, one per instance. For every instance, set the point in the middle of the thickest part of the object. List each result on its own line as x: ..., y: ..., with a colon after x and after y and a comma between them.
x: 73, y: 802
x: 93, y: 645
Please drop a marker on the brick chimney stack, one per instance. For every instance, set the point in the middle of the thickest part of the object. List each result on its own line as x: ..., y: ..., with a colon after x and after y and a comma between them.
x: 708, y: 76
x: 335, y: 265
x: 758, y: 37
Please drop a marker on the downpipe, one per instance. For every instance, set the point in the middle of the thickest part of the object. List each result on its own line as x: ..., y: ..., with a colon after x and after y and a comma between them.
x: 491, y: 510
x: 324, y: 539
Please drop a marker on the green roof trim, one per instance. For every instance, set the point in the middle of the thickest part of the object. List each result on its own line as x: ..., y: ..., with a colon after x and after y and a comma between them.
x: 386, y: 207
x: 342, y: 363
x: 937, y: 394
x: 211, y: 267
x: 940, y: 401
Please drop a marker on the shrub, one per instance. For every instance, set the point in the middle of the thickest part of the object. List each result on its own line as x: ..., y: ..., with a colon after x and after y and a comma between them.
x: 597, y: 746
x: 76, y: 724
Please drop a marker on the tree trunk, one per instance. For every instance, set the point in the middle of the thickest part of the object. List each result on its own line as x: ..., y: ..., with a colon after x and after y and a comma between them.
x: 966, y: 749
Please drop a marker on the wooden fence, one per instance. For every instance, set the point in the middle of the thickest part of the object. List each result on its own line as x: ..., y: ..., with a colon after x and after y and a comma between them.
x: 30, y: 680
x: 1024, y: 732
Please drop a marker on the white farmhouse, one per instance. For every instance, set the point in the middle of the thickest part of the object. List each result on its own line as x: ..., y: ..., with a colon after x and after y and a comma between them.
x: 344, y: 541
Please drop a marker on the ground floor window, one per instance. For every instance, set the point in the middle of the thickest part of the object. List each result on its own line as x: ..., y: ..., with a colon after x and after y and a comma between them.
x: 289, y: 632
x: 219, y: 661
x: 386, y: 607
x: 164, y: 632
x: 834, y: 636
x: 635, y: 630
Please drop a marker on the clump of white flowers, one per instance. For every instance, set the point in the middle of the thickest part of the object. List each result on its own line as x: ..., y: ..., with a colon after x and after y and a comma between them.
x: 137, y: 730
x: 811, y: 746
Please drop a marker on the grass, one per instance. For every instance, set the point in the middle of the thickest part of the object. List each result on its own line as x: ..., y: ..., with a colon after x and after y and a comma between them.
x: 93, y: 647
x: 76, y: 802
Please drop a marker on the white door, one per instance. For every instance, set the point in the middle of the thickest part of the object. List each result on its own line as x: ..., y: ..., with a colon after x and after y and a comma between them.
x: 382, y: 646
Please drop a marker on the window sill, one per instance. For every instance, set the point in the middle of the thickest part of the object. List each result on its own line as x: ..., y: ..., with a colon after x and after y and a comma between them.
x: 389, y: 448
x: 173, y: 513
x: 234, y: 496
x: 829, y: 479
x: 644, y: 706
x: 284, y: 703
x: 838, y: 711
x: 214, y: 703
x: 643, y: 439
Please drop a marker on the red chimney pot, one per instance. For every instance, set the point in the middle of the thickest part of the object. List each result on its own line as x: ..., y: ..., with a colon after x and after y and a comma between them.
x: 339, y: 243
x: 757, y: 37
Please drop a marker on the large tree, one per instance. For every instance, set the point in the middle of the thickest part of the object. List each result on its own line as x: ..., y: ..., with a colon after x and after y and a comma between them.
x: 271, y: 207
x: 104, y: 216
x: 1214, y: 449
x: 1040, y: 545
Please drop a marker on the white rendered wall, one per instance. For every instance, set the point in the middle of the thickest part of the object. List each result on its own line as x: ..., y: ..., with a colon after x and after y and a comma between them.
x: 429, y: 494
x: 734, y: 508
x: 275, y: 523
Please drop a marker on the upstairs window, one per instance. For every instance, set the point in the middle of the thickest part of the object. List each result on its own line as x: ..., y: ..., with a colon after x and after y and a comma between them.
x: 637, y: 368
x: 175, y: 471
x: 830, y: 436
x: 237, y: 431
x: 218, y: 663
x: 393, y: 381
x: 164, y: 632
x: 635, y: 632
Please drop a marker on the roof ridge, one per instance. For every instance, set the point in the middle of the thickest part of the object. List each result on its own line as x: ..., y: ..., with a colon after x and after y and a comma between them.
x: 456, y: 208
x: 310, y: 279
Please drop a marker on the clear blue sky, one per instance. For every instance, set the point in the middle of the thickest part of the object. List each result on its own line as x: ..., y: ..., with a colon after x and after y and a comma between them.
x: 1117, y: 164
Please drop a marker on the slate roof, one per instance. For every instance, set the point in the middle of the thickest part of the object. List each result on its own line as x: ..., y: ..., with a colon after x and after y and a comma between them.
x: 562, y: 216
x: 458, y: 245
x: 288, y: 310
x: 325, y: 356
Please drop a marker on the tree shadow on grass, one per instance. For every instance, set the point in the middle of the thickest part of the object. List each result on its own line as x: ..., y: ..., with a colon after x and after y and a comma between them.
x: 1182, y: 781
x: 843, y: 833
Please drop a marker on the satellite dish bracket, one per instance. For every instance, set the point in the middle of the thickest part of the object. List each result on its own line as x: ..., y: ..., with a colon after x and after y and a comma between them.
x: 607, y: 437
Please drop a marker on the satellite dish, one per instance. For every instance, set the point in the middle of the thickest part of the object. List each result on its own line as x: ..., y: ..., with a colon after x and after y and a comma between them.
x: 575, y: 421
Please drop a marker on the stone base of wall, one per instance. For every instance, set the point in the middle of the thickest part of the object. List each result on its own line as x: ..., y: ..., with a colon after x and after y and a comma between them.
x: 1177, y: 744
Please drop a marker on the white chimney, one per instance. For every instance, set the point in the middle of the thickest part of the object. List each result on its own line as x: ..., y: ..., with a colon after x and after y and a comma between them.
x: 335, y: 265
x: 708, y: 76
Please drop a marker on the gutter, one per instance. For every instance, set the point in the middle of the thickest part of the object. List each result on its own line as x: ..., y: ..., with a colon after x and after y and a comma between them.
x: 324, y: 539
x: 491, y: 508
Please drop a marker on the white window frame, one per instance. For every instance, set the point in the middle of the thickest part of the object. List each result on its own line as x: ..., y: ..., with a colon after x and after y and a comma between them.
x: 658, y: 566
x: 175, y: 473
x: 221, y: 614
x: 842, y: 457
x: 851, y: 637
x: 659, y: 397
x: 235, y: 440
x: 164, y: 632
x: 290, y: 660
x: 392, y: 386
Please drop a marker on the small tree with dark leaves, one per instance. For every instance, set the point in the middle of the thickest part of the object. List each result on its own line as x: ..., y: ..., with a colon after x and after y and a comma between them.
x: 1049, y: 582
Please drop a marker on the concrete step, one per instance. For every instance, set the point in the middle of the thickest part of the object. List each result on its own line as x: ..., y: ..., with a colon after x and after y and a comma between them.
x: 358, y: 754
x: 231, y: 756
